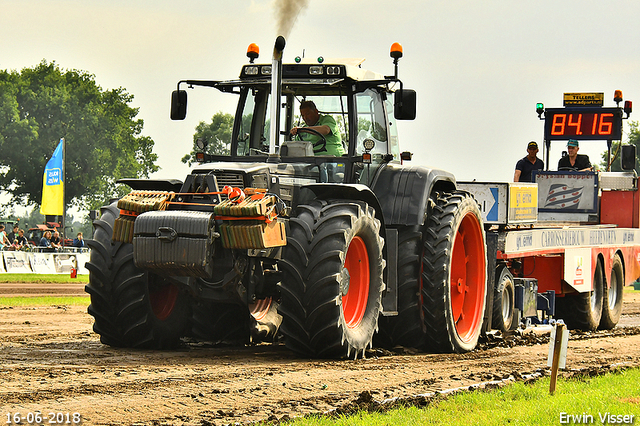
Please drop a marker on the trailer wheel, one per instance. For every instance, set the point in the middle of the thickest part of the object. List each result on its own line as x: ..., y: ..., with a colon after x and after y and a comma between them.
x: 131, y: 307
x: 612, y: 301
x: 332, y: 286
x: 504, y: 315
x: 406, y: 328
x: 454, y: 286
x: 583, y: 311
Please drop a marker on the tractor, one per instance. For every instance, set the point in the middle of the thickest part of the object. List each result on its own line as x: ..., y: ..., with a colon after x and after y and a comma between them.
x: 276, y: 240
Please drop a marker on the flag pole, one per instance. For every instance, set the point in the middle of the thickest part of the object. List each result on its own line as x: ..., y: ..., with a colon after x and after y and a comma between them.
x: 64, y: 187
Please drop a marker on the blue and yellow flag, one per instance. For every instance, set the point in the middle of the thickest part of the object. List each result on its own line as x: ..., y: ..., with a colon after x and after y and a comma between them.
x: 53, y: 184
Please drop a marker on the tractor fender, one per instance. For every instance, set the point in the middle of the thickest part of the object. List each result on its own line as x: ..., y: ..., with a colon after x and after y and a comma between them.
x: 406, y: 191
x: 342, y: 191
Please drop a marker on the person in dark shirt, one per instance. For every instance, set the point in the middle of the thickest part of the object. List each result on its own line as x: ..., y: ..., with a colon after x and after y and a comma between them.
x: 13, y: 234
x: 55, y: 240
x: 574, y: 161
x: 525, y: 166
x: 78, y: 241
x: 20, y: 242
x: 45, y: 242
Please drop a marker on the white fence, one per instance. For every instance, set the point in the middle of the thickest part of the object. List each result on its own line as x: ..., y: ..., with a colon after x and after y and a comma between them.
x: 43, y: 263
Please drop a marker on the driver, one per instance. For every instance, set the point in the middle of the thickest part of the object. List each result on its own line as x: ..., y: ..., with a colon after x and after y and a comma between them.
x: 323, y: 124
x: 574, y: 161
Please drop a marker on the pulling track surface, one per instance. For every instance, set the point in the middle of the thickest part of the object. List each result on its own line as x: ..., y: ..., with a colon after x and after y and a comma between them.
x: 52, y: 362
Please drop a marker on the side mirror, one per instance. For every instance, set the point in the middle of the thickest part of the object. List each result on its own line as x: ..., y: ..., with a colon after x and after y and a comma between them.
x: 628, y: 157
x: 404, y: 102
x: 178, y: 104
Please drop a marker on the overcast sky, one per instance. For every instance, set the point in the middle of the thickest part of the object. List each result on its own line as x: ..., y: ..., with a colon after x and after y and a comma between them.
x: 479, y: 67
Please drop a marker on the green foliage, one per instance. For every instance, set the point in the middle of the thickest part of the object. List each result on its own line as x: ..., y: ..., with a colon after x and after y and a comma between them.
x: 40, y: 105
x: 217, y: 136
x: 616, y: 162
x: 46, y: 301
x: 42, y: 278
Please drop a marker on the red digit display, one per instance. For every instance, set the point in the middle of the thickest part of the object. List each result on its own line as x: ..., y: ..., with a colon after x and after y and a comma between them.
x: 583, y: 123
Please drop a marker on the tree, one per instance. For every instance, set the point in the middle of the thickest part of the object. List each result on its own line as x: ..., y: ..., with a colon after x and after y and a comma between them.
x: 634, y: 139
x: 217, y: 136
x: 40, y: 105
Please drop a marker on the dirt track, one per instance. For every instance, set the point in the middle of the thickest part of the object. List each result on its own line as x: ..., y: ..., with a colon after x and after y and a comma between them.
x: 51, y: 361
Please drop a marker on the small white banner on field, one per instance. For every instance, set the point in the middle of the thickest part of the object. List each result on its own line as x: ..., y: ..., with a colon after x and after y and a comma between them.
x: 16, y: 261
x: 42, y: 263
x: 82, y: 258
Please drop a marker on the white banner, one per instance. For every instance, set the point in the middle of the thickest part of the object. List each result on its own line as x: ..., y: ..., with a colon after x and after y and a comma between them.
x: 42, y: 263
x: 82, y: 259
x: 16, y: 261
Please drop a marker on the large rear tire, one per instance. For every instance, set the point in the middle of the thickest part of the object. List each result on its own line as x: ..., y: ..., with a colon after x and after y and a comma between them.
x: 612, y: 301
x: 504, y: 315
x: 332, y: 287
x: 583, y: 311
x: 131, y: 307
x: 407, y: 328
x: 454, y: 285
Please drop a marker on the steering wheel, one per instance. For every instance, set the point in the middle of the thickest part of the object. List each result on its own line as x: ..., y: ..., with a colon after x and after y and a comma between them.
x: 319, y: 146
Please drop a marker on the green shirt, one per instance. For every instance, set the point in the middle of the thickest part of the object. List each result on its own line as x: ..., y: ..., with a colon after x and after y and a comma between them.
x: 334, y: 141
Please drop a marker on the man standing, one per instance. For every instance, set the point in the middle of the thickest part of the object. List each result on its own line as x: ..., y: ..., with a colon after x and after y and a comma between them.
x: 323, y: 124
x: 574, y: 161
x: 525, y: 166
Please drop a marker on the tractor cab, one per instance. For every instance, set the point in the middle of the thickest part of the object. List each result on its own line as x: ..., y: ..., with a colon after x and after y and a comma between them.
x: 361, y: 105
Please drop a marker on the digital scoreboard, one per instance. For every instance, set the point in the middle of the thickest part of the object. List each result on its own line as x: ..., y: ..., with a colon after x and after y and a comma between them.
x: 583, y: 123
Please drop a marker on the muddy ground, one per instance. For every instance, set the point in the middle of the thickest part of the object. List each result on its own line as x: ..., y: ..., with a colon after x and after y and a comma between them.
x: 52, y: 362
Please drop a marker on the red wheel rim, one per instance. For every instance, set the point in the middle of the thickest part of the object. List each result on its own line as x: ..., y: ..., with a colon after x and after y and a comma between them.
x: 468, y: 278
x: 260, y: 308
x: 163, y: 300
x: 354, y: 303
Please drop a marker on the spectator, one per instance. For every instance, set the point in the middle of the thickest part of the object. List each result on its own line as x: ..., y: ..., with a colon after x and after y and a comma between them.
x: 45, y: 242
x: 4, y: 241
x: 20, y: 242
x: 13, y: 234
x: 78, y: 241
x: 526, y: 165
x: 55, y: 241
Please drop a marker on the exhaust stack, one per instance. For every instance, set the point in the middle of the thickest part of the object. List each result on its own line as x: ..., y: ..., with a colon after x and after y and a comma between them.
x: 276, y: 94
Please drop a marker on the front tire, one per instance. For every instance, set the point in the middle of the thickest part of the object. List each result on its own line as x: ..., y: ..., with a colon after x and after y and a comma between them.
x: 131, y: 307
x: 454, y: 286
x: 332, y: 289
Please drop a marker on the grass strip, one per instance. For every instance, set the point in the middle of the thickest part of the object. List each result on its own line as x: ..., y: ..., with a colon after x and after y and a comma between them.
x: 43, y: 278
x: 605, y: 399
x: 19, y: 301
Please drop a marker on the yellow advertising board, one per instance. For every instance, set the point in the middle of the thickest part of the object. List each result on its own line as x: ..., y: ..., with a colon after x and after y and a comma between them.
x: 523, y: 202
x: 583, y: 99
